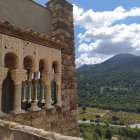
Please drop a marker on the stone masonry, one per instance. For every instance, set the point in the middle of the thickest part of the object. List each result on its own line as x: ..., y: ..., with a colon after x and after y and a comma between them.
x: 58, y: 51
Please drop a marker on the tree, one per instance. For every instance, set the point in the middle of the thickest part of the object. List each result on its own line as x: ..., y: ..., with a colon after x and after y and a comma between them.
x: 108, y: 134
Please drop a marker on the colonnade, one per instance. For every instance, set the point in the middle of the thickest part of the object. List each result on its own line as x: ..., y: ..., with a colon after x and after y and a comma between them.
x: 26, y: 89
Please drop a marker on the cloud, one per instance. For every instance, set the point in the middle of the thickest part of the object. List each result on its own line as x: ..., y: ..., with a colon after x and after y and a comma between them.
x: 103, y: 37
x: 85, y: 59
x: 90, y: 19
x: 111, y: 40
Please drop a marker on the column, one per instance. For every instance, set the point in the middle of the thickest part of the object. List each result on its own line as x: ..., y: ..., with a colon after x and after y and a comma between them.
x: 48, y: 78
x: 24, y: 91
x: 34, y: 106
x: 57, y: 79
x: 42, y: 92
x: 29, y: 81
x: 3, y: 74
x: 18, y: 76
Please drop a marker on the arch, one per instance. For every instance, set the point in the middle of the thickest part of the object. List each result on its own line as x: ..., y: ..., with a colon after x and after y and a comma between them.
x: 29, y: 63
x: 56, y: 67
x: 8, y: 93
x: 11, y: 60
x: 43, y: 65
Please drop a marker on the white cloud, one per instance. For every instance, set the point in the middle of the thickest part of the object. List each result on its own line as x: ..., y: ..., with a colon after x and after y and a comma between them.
x: 90, y: 19
x: 103, y: 37
x: 85, y: 59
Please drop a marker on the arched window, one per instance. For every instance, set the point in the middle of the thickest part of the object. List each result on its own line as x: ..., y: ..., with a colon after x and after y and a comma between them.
x: 8, y: 88
x: 28, y: 88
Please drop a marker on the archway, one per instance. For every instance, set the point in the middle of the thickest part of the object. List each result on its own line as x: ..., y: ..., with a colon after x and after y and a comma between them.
x: 8, y: 88
x: 41, y: 85
x: 27, y: 86
x: 55, y: 69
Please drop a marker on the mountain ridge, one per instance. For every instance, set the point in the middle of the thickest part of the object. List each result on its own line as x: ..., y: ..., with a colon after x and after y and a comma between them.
x: 124, y: 61
x: 120, y: 74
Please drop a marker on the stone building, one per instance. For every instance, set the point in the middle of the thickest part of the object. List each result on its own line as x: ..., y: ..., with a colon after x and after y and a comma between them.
x: 37, y: 65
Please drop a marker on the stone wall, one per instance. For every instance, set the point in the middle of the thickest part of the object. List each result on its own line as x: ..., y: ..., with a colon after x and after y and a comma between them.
x: 14, y: 131
x: 61, y: 120
x: 26, y: 14
x: 54, y: 120
x: 63, y: 29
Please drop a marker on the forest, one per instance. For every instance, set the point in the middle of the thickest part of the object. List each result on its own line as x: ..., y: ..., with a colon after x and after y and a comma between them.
x: 113, y: 84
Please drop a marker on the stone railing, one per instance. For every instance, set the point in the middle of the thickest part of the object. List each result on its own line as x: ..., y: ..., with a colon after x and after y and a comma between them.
x: 11, y: 131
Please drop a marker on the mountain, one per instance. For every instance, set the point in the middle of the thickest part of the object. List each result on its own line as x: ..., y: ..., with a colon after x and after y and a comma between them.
x: 113, y: 84
x: 118, y: 62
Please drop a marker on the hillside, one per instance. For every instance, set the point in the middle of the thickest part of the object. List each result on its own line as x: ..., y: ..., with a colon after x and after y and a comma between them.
x: 113, y: 84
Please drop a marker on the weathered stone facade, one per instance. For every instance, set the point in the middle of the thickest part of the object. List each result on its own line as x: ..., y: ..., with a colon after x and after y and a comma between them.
x: 15, y: 131
x: 53, y: 58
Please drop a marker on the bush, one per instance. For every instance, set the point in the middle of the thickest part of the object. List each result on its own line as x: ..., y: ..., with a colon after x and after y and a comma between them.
x: 84, y: 119
x: 97, y: 120
x: 115, y: 118
x: 97, y: 116
x: 91, y: 120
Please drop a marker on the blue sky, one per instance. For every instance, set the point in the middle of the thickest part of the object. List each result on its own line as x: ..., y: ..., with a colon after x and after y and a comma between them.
x: 104, y: 28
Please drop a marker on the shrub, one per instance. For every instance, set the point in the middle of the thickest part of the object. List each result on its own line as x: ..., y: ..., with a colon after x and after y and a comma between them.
x: 84, y: 119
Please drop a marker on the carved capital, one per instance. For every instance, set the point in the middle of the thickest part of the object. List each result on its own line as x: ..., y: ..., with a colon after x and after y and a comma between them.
x: 3, y: 74
x: 57, y: 78
x: 48, y: 77
x: 18, y: 76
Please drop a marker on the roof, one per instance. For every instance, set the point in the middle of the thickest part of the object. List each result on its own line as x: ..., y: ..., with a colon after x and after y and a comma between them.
x: 30, y: 35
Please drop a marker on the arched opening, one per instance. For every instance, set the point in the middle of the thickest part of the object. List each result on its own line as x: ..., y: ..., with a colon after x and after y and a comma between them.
x: 27, y: 86
x: 11, y: 61
x: 8, y: 88
x: 41, y: 85
x: 55, y: 69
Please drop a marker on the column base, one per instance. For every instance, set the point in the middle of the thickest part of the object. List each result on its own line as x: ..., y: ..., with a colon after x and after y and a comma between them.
x: 59, y: 104
x: 43, y: 101
x: 48, y: 106
x: 34, y: 107
x: 17, y: 111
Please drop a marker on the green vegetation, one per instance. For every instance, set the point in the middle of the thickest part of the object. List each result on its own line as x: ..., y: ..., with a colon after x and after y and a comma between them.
x: 99, y: 132
x: 108, y: 116
x: 114, y: 84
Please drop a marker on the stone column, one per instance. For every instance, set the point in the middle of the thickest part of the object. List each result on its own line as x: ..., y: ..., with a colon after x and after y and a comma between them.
x: 34, y: 106
x: 42, y: 92
x: 24, y: 91
x: 3, y: 74
x: 57, y: 79
x: 47, y: 80
x: 18, y: 76
x: 29, y: 81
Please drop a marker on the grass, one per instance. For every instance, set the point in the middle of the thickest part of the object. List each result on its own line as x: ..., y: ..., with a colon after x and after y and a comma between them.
x: 125, y: 117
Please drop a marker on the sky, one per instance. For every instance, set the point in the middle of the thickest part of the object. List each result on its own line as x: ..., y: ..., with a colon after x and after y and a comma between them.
x: 104, y: 28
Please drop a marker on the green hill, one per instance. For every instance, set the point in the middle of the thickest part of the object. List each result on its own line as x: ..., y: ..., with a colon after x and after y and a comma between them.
x: 113, y: 84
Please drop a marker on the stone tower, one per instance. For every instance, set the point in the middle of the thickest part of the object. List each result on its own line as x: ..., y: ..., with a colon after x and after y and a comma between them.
x: 37, y: 55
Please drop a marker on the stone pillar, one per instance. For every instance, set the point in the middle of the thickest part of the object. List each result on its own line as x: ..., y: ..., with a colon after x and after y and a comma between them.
x: 18, y: 76
x: 34, y: 106
x: 57, y: 79
x: 42, y: 92
x: 24, y: 86
x: 29, y: 81
x: 63, y: 29
x: 47, y: 80
x: 3, y: 74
